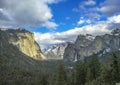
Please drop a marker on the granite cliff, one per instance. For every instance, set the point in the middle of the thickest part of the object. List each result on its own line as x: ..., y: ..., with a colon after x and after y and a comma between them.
x: 55, y: 51
x: 25, y: 42
x: 86, y: 45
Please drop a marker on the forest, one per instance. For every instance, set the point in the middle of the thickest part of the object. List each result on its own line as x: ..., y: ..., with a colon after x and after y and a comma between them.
x: 88, y: 72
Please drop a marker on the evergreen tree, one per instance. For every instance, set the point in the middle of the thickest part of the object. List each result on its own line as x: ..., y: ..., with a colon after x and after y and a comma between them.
x: 44, y: 80
x: 61, y: 76
x: 72, y: 79
x: 80, y: 74
x: 93, y: 68
x: 106, y: 76
x: 115, y: 69
x: 110, y: 72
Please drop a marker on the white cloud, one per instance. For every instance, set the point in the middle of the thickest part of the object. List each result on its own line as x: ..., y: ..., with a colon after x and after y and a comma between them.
x: 106, y: 8
x: 100, y: 28
x: 49, y: 24
x: 88, y: 21
x: 46, y: 39
x: 90, y: 3
x: 110, y: 7
x: 27, y: 12
x: 5, y: 13
x: 83, y: 4
x: 81, y: 22
x: 114, y: 19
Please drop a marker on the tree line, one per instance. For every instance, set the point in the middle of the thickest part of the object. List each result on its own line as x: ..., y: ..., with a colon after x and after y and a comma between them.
x: 89, y: 72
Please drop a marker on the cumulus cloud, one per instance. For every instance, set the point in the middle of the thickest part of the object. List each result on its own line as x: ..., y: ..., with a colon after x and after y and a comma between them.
x: 99, y: 28
x: 87, y: 3
x: 49, y: 24
x: 114, y: 19
x: 110, y: 7
x: 83, y: 4
x: 46, y: 39
x: 84, y: 21
x: 27, y: 12
x: 81, y: 21
x: 90, y: 3
x: 107, y: 8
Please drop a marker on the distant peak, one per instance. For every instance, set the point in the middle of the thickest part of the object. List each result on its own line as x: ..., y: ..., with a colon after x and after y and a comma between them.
x: 21, y: 29
x: 116, y: 31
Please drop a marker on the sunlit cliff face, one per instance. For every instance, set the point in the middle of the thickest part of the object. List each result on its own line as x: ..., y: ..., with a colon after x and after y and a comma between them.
x: 25, y: 42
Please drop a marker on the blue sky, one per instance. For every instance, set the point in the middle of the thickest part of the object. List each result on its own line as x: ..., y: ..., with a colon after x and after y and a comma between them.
x: 65, y: 15
x: 59, y: 21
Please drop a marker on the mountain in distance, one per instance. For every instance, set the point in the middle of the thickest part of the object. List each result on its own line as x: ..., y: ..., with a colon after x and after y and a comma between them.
x: 21, y: 65
x: 55, y: 51
x: 86, y: 45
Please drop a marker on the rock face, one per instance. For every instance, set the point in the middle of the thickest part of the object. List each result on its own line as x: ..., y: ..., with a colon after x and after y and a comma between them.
x: 25, y: 42
x: 55, y: 51
x: 86, y: 45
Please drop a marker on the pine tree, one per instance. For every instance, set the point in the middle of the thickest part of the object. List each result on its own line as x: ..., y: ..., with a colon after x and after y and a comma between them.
x: 72, y: 78
x: 44, y: 80
x: 61, y: 76
x: 110, y: 72
x: 93, y: 68
x: 115, y: 69
x: 80, y: 74
x: 106, y: 76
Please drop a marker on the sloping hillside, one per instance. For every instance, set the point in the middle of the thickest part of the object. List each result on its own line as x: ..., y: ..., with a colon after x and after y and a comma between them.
x: 17, y: 68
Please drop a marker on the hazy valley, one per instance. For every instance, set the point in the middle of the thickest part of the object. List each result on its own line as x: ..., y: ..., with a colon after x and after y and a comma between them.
x: 59, y: 42
x: 23, y: 62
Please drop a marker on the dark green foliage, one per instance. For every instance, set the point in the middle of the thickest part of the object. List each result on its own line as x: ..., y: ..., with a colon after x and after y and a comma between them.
x: 80, y: 74
x: 19, y: 69
x: 93, y: 68
x: 110, y: 72
x: 61, y: 76
x: 106, y: 74
x: 115, y: 69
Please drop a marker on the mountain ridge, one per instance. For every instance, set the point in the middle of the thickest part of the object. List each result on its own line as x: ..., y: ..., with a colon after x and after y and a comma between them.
x: 24, y: 41
x: 55, y: 51
x: 84, y: 47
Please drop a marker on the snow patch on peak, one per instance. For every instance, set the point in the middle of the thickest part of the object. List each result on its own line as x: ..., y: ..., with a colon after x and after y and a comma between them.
x: 55, y: 51
x: 90, y: 37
